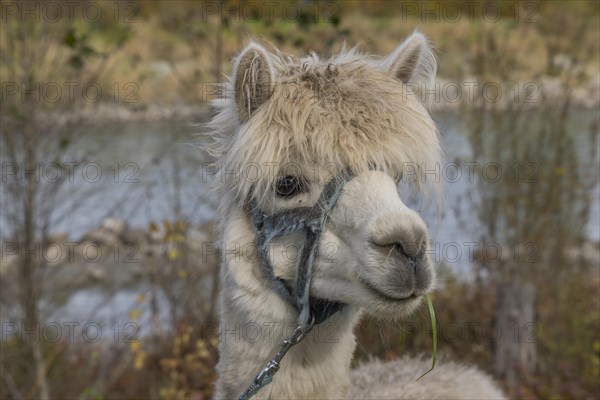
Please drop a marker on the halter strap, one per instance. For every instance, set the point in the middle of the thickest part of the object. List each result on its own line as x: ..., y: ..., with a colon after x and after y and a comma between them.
x: 312, y: 220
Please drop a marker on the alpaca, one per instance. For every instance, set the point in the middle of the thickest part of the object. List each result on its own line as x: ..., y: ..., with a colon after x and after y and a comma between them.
x: 292, y: 128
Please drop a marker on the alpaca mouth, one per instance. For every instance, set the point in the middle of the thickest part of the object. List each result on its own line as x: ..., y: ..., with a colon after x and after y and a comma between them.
x: 322, y: 308
x: 385, y: 297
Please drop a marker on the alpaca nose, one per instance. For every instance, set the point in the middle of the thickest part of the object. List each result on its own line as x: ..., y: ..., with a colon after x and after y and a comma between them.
x: 404, y: 232
x: 409, y: 250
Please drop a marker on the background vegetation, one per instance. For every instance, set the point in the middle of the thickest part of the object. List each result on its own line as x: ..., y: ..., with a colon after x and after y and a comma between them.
x: 159, y: 61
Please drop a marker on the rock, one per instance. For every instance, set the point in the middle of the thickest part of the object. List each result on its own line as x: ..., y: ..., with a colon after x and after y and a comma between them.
x: 96, y: 273
x: 134, y: 235
x: 115, y: 225
x: 101, y: 237
x: 57, y: 237
x: 111, y: 231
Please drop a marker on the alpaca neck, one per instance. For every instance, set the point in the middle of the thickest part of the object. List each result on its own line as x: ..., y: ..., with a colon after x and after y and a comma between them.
x: 254, y: 322
x: 317, y: 367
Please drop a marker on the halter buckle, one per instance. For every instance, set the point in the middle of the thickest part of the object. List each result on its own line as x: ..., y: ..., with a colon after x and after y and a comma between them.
x: 266, y: 375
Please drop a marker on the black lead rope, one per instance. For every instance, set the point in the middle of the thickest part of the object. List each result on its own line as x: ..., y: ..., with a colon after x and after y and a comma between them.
x: 312, y: 220
x: 266, y: 375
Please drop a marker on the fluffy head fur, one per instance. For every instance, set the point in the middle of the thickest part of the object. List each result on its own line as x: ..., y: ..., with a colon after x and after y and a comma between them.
x: 348, y: 112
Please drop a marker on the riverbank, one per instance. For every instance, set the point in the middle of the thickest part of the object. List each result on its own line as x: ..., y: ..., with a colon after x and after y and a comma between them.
x: 447, y: 95
x: 114, y: 256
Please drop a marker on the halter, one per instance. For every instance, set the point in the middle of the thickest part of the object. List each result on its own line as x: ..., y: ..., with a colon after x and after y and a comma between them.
x: 311, y: 220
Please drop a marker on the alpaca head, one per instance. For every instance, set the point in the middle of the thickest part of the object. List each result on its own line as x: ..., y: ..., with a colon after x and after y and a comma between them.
x: 292, y: 125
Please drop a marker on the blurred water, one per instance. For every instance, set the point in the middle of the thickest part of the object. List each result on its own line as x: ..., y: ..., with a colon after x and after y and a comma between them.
x: 149, y: 171
x: 458, y: 230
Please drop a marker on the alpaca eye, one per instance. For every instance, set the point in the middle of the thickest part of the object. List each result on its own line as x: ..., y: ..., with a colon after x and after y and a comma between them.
x: 290, y: 186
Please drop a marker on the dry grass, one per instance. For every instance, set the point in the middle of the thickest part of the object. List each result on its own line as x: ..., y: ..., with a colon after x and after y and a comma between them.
x: 169, y: 52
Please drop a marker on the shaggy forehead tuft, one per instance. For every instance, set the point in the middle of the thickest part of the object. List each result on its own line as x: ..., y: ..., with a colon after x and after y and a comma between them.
x: 345, y: 112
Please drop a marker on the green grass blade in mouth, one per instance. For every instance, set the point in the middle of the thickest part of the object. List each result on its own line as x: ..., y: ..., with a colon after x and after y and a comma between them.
x: 434, y: 333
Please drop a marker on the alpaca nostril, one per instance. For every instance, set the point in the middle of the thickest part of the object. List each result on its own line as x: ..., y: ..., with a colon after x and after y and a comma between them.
x: 411, y: 250
x: 400, y: 248
x: 409, y: 237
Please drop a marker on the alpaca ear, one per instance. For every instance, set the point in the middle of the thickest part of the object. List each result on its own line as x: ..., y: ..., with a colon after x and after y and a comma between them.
x: 254, y: 76
x: 413, y: 62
